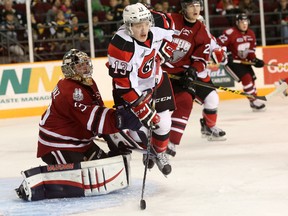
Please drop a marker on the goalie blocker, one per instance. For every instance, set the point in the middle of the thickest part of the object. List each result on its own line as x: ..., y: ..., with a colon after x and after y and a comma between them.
x: 89, y: 178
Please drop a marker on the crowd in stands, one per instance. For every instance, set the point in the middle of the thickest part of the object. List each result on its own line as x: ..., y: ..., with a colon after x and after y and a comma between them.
x: 59, y: 25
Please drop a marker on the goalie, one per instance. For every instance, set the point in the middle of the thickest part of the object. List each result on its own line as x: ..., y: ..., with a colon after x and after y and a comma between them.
x: 66, y: 133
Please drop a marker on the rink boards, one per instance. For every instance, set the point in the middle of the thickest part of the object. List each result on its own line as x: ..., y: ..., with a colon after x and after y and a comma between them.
x: 25, y: 88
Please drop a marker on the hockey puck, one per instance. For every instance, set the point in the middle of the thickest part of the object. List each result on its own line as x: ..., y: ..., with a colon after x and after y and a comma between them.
x: 142, y: 204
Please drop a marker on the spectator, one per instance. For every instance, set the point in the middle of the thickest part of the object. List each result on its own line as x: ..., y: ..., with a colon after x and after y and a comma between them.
x: 96, y: 5
x: 62, y: 29
x: 158, y: 7
x: 99, y: 39
x: 40, y: 33
x: 166, y: 7
x: 119, y: 10
x: 225, y: 7
x: 51, y: 14
x: 66, y: 7
x: 80, y: 35
x: 282, y: 18
x: 8, y: 7
x: 248, y: 7
x: 10, y: 25
x: 112, y: 14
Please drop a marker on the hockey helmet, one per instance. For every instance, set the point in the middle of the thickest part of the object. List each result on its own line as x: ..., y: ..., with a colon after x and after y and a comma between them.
x: 184, y: 3
x: 77, y: 65
x: 242, y: 17
x: 136, y: 13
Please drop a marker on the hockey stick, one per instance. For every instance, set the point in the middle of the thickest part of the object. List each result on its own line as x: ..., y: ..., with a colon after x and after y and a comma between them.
x: 252, y: 63
x: 142, y: 201
x: 279, y: 89
x: 231, y: 73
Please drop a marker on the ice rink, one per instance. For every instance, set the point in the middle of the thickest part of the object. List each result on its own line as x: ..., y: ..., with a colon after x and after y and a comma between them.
x: 246, y: 175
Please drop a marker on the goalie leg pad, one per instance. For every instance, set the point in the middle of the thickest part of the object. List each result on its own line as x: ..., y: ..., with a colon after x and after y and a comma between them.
x: 76, y: 180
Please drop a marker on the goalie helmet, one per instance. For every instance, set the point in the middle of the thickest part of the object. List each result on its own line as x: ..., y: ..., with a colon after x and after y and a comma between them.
x: 77, y: 65
x: 136, y: 13
x: 184, y: 4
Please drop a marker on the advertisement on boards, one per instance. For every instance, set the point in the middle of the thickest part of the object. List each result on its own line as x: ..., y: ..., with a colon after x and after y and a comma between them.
x: 219, y: 76
x: 276, y: 64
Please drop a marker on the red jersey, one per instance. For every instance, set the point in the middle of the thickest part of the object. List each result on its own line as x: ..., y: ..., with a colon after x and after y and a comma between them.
x: 193, y: 48
x: 241, y: 45
x: 75, y: 116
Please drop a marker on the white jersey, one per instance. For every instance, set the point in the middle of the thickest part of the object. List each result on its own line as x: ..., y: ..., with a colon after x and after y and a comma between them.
x: 132, y: 63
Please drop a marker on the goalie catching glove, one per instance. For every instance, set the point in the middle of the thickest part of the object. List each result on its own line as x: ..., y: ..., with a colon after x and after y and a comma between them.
x: 219, y: 56
x: 147, y: 114
x: 186, y: 81
x: 165, y: 52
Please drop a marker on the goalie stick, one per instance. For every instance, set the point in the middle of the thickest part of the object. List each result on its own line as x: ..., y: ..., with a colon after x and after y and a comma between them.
x: 279, y: 89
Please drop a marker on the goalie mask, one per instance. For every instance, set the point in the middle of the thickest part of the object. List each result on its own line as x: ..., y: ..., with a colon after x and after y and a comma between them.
x: 136, y: 13
x: 77, y: 66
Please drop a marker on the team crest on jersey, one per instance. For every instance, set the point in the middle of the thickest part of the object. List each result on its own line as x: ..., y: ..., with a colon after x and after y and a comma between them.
x: 78, y: 95
x: 183, y: 47
x: 186, y: 32
x: 240, y: 40
x: 145, y: 70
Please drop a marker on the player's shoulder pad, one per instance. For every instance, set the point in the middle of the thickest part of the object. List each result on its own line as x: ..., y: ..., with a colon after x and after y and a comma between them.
x: 229, y: 31
x: 121, y: 46
x: 162, y: 20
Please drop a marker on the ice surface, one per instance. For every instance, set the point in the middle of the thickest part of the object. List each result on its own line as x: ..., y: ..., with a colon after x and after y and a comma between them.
x: 246, y: 175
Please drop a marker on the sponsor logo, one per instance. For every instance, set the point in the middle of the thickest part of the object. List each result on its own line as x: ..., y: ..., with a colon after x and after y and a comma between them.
x: 166, y: 98
x: 277, y: 67
x: 58, y: 167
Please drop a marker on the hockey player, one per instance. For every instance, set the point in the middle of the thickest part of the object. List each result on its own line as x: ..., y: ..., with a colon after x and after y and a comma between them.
x: 66, y: 133
x: 77, y: 115
x: 190, y: 62
x: 241, y: 43
x: 133, y: 54
x: 211, y: 101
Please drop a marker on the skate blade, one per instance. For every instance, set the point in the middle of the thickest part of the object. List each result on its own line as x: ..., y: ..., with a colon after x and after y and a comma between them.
x: 211, y: 138
x: 259, y: 110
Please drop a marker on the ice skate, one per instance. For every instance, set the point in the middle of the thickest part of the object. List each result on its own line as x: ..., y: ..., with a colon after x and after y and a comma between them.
x: 163, y: 164
x: 171, y: 149
x: 257, y: 106
x: 213, y: 133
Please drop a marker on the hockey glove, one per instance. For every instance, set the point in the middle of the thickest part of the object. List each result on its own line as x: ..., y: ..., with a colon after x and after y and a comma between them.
x: 126, y: 119
x: 147, y: 115
x: 230, y: 58
x: 166, y: 50
x: 258, y: 63
x: 219, y: 56
x: 186, y: 81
